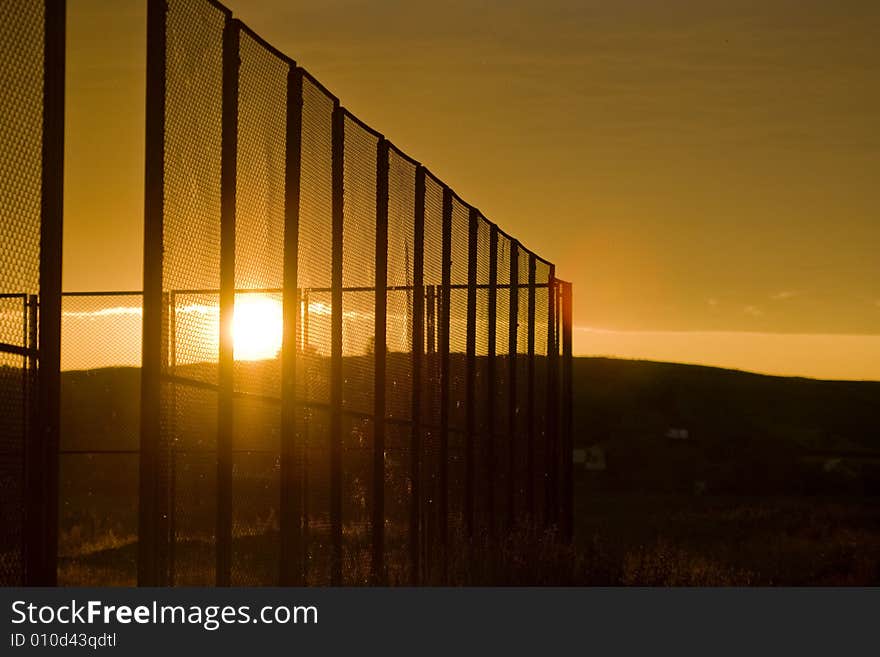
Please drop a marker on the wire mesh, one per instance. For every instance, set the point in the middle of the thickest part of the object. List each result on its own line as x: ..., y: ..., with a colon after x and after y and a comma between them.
x: 21, y: 142
x: 399, y: 375
x: 521, y: 429
x: 358, y: 335
x: 191, y: 278
x: 540, y: 434
x: 257, y: 322
x: 480, y: 398
x: 430, y: 462
x: 503, y: 366
x: 98, y: 469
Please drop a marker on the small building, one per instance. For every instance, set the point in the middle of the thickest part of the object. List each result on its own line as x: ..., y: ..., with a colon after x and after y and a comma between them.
x: 676, y: 433
x: 595, y: 459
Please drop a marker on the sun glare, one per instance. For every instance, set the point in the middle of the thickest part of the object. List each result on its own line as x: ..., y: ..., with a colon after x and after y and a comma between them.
x: 257, y: 327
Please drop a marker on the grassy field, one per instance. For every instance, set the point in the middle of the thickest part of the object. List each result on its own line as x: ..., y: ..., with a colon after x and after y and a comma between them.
x: 679, y: 540
x: 765, y: 492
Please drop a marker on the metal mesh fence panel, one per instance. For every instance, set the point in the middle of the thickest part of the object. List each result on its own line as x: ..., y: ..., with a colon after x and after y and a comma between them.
x: 191, y: 279
x: 503, y: 366
x: 430, y: 462
x: 541, y: 435
x: 98, y: 469
x: 97, y: 534
x: 401, y: 212
x: 192, y: 487
x: 482, y: 452
x: 15, y: 397
x: 339, y: 393
x: 399, y: 376
x: 521, y: 473
x: 257, y: 323
x: 458, y: 364
x: 358, y: 331
x: 23, y: 56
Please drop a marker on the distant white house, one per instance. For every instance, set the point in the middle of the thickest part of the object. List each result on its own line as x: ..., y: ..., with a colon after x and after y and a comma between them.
x: 674, y: 433
x: 594, y: 460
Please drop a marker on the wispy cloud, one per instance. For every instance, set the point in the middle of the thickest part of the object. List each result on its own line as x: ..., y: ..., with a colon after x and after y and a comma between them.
x: 785, y: 294
x: 713, y: 302
x: 754, y: 311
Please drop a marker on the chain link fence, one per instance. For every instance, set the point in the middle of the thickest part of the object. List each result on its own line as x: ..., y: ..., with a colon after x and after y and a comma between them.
x: 353, y: 368
x: 31, y: 169
x: 338, y: 371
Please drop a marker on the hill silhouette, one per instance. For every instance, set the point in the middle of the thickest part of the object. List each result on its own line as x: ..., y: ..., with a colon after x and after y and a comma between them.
x: 746, y: 433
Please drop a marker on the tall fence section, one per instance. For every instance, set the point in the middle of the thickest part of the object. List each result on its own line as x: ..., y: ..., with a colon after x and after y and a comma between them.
x: 31, y: 169
x: 347, y: 368
x: 337, y: 371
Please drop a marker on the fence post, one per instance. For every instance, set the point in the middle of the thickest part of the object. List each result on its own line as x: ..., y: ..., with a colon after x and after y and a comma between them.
x: 551, y: 490
x: 380, y: 349
x: 291, y: 566
x: 43, y: 531
x: 512, y: 371
x: 418, y: 348
x: 164, y: 449
x: 470, y: 372
x: 151, y: 359
x: 491, y: 373
x: 567, y: 401
x: 226, y: 400
x: 530, y: 396
x: 303, y: 469
x: 34, y: 454
x: 337, y: 173
x: 443, y: 348
x: 169, y: 568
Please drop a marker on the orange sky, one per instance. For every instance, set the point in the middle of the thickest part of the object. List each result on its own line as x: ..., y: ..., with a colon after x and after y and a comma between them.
x: 704, y: 171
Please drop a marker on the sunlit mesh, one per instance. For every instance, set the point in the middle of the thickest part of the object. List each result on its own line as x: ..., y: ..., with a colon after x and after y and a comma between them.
x: 257, y: 327
x: 21, y: 116
x: 458, y: 315
x: 430, y: 462
x: 399, y: 366
x: 358, y: 346
x: 191, y: 280
x: 193, y: 104
x: 401, y: 213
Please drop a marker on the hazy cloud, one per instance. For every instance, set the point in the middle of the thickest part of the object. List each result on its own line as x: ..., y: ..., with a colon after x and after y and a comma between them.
x: 754, y: 311
x: 785, y: 294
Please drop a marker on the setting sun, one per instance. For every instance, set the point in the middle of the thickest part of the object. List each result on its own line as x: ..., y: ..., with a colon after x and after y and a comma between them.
x: 257, y: 327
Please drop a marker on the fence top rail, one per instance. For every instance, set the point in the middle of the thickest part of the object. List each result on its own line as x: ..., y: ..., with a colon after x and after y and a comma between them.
x: 244, y: 27
x: 317, y: 83
x: 405, y: 156
x: 278, y: 290
x: 104, y: 293
x: 351, y: 115
x: 217, y: 5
